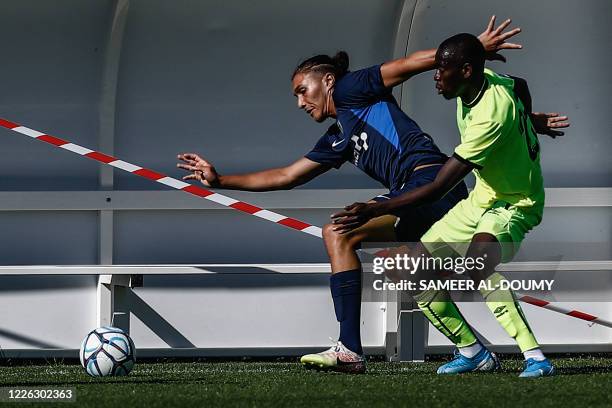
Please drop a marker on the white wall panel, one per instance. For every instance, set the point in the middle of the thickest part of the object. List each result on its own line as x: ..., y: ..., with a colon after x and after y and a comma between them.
x: 51, y: 71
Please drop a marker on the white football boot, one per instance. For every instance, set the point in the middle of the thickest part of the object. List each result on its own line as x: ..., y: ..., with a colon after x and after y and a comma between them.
x: 337, y: 358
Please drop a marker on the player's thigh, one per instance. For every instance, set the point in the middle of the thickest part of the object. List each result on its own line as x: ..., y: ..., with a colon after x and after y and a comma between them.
x: 414, y: 222
x: 508, y: 224
x: 452, y: 234
x: 379, y: 229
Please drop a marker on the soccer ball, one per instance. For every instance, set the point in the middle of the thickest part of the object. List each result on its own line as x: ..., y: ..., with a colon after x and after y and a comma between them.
x: 107, y: 351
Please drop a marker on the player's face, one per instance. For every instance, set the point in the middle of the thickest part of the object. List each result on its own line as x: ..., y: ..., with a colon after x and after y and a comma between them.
x: 313, y: 93
x: 449, y: 79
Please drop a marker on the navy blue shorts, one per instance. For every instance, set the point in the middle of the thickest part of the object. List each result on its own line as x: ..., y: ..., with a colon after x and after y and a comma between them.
x: 413, y: 222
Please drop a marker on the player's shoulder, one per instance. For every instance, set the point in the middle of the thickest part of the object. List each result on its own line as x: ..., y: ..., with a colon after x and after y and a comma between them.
x: 352, y: 78
x: 334, y: 130
x: 498, y: 79
x: 359, y: 87
x: 502, y: 88
x: 498, y: 101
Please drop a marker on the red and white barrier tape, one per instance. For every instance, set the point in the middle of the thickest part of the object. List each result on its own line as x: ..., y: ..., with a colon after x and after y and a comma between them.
x: 232, y: 203
x: 168, y: 181
x: 573, y: 313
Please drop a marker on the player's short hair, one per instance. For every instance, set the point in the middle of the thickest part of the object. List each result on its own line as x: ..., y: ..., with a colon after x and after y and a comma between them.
x: 461, y: 49
x: 337, y: 65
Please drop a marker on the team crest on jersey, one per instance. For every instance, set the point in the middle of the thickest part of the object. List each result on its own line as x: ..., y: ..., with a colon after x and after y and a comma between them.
x: 361, y: 145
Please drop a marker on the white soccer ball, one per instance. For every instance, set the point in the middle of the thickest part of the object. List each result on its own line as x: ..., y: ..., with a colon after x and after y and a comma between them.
x: 107, y: 351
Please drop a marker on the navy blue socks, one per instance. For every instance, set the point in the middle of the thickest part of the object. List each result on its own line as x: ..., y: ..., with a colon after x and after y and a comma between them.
x: 346, y: 293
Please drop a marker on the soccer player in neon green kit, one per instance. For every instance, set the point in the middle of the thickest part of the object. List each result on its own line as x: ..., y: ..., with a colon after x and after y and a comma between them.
x: 499, y: 144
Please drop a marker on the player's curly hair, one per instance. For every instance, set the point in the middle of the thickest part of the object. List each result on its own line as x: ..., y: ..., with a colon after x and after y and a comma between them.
x: 337, y: 65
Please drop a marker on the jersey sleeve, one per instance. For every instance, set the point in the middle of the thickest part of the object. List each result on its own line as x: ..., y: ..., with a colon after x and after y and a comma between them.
x: 360, y: 88
x: 478, y: 143
x: 323, y: 151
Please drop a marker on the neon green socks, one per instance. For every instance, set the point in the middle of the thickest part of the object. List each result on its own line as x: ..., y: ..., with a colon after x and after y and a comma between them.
x: 442, y: 312
x: 508, y: 313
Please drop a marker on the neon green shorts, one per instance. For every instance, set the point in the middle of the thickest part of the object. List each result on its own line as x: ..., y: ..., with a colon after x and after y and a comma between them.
x: 451, y: 235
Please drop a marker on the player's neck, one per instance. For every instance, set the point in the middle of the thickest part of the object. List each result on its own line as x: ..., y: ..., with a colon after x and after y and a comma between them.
x: 332, y: 113
x: 331, y: 107
x: 473, y: 91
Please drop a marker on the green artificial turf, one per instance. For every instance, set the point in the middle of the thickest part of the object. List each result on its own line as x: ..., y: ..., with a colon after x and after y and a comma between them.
x: 583, y: 382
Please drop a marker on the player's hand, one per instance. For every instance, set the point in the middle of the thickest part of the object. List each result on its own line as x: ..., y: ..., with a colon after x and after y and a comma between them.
x: 353, y: 216
x: 548, y: 123
x: 200, y: 169
x: 494, y: 39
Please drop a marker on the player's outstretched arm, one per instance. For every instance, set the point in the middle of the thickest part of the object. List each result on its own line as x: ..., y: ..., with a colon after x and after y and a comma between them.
x: 548, y: 123
x: 493, y: 39
x: 282, y: 178
x: 358, y: 214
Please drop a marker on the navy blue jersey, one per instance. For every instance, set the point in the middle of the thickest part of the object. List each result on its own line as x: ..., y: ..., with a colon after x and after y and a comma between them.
x: 373, y: 133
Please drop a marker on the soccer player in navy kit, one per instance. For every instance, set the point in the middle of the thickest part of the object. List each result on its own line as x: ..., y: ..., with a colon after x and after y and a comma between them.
x: 373, y: 133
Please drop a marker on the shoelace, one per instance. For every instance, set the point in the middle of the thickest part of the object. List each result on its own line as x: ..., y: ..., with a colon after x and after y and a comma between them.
x: 456, y: 355
x: 529, y: 363
x: 336, y: 345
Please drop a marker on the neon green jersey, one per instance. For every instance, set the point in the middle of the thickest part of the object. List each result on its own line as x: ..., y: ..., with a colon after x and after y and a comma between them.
x: 498, y: 137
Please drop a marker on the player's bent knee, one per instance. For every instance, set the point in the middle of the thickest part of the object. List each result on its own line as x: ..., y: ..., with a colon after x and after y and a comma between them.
x: 328, y: 231
x: 335, y: 239
x: 330, y: 237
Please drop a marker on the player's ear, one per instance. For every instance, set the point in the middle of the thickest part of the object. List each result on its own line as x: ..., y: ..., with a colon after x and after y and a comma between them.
x: 329, y: 80
x: 466, y: 71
